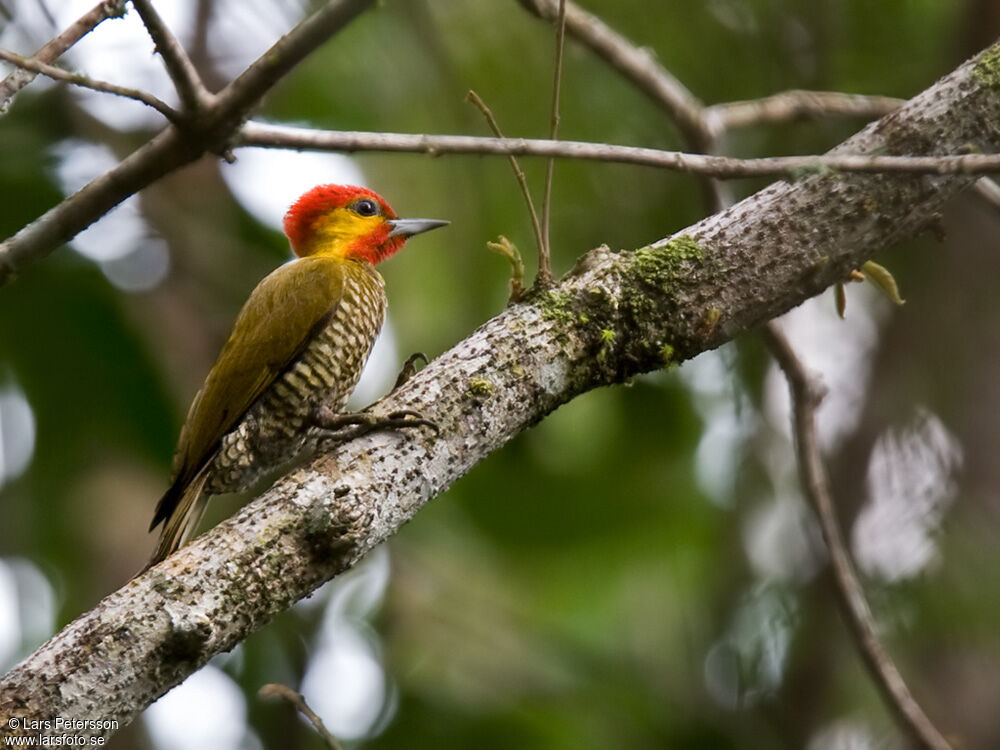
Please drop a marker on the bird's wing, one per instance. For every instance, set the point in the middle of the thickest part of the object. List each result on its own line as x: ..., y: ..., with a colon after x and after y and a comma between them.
x: 277, y: 322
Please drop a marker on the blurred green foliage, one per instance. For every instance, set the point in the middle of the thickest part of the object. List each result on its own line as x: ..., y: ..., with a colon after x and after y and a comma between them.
x: 569, y: 591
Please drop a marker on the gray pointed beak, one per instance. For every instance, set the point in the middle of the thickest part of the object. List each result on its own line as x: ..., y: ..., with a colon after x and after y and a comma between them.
x: 410, y: 227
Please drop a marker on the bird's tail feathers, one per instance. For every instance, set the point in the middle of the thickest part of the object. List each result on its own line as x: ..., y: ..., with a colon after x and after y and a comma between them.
x: 183, y: 519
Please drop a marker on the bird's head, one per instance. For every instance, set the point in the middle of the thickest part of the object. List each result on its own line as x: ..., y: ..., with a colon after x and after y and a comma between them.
x: 349, y: 222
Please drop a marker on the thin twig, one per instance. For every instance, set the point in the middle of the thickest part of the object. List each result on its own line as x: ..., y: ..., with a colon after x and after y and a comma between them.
x: 274, y: 690
x: 544, y: 277
x: 634, y: 63
x: 522, y: 181
x: 794, y: 105
x: 192, y: 92
x: 722, y: 167
x: 639, y: 67
x: 55, y: 47
x: 806, y: 396
x: 78, y: 79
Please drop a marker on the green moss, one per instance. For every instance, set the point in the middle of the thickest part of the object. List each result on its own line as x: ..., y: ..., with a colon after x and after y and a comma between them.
x: 560, y: 306
x: 711, y: 319
x: 667, y: 355
x: 556, y: 306
x: 987, y: 68
x: 661, y: 265
x: 607, y: 341
x: 481, y: 387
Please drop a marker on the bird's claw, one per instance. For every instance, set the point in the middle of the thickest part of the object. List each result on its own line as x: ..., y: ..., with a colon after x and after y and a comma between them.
x: 342, y: 427
x: 409, y: 369
x: 410, y: 418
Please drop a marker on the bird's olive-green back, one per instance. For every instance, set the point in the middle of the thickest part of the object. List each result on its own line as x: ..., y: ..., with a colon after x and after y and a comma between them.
x: 274, y: 326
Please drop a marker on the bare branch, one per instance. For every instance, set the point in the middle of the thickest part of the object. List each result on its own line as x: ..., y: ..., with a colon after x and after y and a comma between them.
x: 55, y: 47
x: 544, y: 276
x: 78, y: 79
x: 192, y: 92
x: 170, y: 150
x: 806, y: 396
x: 274, y: 690
x: 663, y: 303
x: 636, y: 64
x: 794, y: 105
x: 722, y: 167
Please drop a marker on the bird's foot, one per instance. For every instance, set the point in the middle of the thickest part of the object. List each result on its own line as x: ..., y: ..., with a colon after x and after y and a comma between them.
x: 343, y: 427
x: 409, y: 370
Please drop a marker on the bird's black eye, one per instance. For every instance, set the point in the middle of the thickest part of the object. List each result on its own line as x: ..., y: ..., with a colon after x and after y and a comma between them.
x: 366, y: 207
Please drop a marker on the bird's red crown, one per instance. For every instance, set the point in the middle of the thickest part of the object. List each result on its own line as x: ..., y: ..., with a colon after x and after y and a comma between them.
x: 342, y: 220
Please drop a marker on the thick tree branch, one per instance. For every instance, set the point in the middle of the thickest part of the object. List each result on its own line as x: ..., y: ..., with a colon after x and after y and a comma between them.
x: 210, y: 130
x: 55, y: 47
x: 613, y: 316
x: 806, y: 397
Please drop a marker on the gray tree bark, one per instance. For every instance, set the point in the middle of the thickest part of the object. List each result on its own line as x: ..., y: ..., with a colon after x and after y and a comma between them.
x: 612, y: 317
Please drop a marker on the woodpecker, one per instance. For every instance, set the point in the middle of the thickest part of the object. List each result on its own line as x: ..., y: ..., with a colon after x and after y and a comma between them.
x: 294, y: 355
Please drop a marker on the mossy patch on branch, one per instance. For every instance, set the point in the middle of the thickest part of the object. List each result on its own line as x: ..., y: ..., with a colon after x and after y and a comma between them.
x: 667, y: 355
x: 654, y: 282
x: 560, y: 307
x: 661, y: 265
x: 987, y: 68
x: 481, y: 387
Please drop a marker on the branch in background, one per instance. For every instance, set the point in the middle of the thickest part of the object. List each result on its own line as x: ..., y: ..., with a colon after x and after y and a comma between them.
x: 662, y: 303
x: 78, y: 79
x: 544, y: 276
x: 55, y: 47
x: 722, y: 167
x: 806, y: 396
x: 171, y: 149
x: 640, y: 67
x: 77, y: 212
x: 192, y: 92
x: 276, y: 691
x: 795, y: 105
x: 522, y: 181
x: 220, y: 131
x: 240, y: 96
x: 635, y: 64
